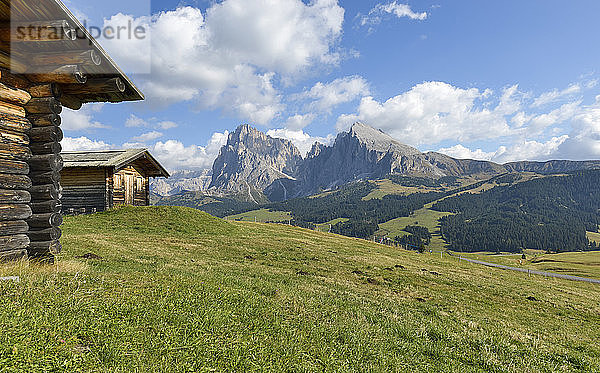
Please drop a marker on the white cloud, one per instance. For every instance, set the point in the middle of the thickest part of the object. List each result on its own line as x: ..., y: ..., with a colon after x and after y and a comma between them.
x: 329, y: 95
x: 431, y: 112
x: 584, y: 138
x: 519, y: 151
x: 230, y: 58
x: 285, y: 36
x: 529, y: 150
x: 298, y: 121
x: 167, y: 124
x: 82, y: 143
x: 555, y: 95
x: 560, y: 115
x: 392, y: 8
x: 148, y: 136
x: 301, y: 139
x: 135, y: 121
x: 174, y: 155
x: 461, y: 152
x: 81, y: 120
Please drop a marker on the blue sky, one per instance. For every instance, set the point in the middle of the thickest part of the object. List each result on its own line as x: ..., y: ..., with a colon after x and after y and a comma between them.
x: 497, y: 80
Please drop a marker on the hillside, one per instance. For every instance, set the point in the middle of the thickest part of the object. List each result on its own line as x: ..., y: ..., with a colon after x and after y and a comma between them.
x: 178, y: 290
x: 508, y: 212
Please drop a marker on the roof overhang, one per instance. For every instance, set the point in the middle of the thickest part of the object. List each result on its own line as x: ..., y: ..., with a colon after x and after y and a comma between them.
x: 116, y: 160
x: 17, y: 58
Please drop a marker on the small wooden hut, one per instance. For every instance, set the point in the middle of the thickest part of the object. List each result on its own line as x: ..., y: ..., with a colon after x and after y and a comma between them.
x: 58, y: 64
x: 99, y: 180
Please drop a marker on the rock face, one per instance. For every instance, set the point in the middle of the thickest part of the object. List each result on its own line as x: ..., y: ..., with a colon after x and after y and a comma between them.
x: 252, y: 160
x: 180, y: 181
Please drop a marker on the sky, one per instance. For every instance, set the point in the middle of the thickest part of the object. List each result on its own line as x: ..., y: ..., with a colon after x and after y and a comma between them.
x: 495, y: 80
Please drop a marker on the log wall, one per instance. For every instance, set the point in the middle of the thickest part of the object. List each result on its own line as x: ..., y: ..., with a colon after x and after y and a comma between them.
x: 130, y: 187
x: 84, y: 190
x: 45, y: 163
x: 15, y: 183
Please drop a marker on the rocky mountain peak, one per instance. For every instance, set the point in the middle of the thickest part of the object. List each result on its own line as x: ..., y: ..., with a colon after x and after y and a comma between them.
x: 252, y: 161
x: 316, y: 149
x: 379, y: 141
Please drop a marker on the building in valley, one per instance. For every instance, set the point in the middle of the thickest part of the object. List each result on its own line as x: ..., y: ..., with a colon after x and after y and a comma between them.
x: 99, y: 180
x: 47, y: 60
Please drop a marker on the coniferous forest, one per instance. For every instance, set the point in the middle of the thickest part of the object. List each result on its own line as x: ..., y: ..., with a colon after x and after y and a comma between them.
x: 551, y: 213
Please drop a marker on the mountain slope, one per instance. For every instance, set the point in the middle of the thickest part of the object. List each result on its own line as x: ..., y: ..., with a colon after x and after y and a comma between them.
x: 252, y: 160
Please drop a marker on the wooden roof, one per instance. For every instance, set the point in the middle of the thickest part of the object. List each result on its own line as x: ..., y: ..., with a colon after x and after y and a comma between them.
x: 18, y: 57
x: 115, y: 159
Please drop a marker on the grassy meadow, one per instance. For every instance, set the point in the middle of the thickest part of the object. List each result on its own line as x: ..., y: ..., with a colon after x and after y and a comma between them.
x: 262, y: 216
x: 584, y: 264
x: 174, y: 289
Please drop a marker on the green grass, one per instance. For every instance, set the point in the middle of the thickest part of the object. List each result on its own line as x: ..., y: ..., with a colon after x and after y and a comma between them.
x: 178, y: 290
x: 386, y: 187
x: 584, y: 264
x: 594, y: 236
x: 423, y: 217
x: 262, y: 216
x: 325, y: 226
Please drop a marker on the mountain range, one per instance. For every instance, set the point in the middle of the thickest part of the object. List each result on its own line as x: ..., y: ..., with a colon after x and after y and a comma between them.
x: 252, y: 162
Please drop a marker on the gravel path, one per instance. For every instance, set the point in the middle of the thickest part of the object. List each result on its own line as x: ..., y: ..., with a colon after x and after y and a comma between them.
x: 529, y: 271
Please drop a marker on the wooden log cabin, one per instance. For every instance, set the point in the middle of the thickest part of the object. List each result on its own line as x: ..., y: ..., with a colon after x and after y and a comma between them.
x: 99, y: 180
x: 59, y: 65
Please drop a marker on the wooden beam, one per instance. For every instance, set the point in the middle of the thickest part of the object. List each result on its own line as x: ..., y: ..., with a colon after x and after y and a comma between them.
x: 8, y: 228
x: 72, y: 57
x: 39, y: 148
x: 96, y: 86
x: 41, y: 221
x: 10, y: 166
x: 16, y: 152
x: 14, y: 196
x: 14, y: 123
x: 71, y: 102
x: 41, y: 31
x: 46, y: 207
x: 9, y: 136
x: 20, y: 182
x: 12, y: 109
x: 45, y: 134
x: 45, y: 90
x: 48, y: 234
x: 12, y: 80
x: 45, y: 192
x: 14, y: 95
x: 44, y: 120
x: 44, y: 248
x: 44, y: 105
x: 45, y: 178
x: 12, y: 63
x: 45, y: 162
x: 10, y: 211
x: 69, y: 74
x: 12, y: 255
x: 14, y: 242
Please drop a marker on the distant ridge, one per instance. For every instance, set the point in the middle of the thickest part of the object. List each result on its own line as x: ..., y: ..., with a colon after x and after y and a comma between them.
x: 252, y: 162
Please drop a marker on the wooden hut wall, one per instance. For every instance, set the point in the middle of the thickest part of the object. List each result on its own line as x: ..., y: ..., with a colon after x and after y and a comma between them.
x: 14, y: 170
x: 43, y: 111
x: 130, y: 187
x: 84, y: 190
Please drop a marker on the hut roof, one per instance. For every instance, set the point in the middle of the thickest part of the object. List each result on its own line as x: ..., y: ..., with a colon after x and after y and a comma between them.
x: 116, y: 159
x: 16, y: 57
